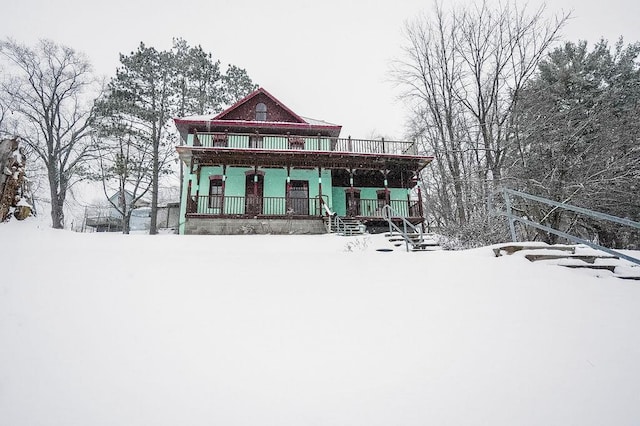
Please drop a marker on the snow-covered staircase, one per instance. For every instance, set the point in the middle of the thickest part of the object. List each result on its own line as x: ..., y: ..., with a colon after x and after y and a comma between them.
x: 572, y: 256
x: 414, y: 241
x: 344, y: 226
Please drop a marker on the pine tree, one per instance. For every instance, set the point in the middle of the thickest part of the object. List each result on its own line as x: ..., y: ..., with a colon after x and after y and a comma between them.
x: 135, y: 116
x: 579, y: 137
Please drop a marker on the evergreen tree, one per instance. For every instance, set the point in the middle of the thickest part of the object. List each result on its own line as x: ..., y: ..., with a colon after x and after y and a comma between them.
x: 578, y: 135
x: 199, y: 83
x: 141, y: 98
x: 150, y: 88
x: 237, y: 84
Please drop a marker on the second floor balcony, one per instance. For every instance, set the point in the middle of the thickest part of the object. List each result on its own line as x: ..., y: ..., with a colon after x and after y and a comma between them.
x: 270, y: 142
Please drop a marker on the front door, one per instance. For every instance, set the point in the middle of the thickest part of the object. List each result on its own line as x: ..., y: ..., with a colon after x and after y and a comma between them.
x: 299, y: 197
x: 254, y: 194
x: 352, y: 202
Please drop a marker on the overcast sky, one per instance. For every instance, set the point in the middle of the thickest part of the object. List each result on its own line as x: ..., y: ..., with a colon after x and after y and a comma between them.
x: 325, y: 59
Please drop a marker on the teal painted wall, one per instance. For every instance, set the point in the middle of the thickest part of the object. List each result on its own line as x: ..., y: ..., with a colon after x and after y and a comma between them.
x: 274, y: 186
x: 339, y: 199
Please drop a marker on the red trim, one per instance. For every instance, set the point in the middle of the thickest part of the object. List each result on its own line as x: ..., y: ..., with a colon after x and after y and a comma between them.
x: 253, y: 95
x: 217, y: 122
x: 253, y: 124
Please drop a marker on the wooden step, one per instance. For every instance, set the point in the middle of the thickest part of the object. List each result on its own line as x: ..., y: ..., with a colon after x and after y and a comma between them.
x: 628, y: 277
x: 510, y: 249
x: 585, y: 258
x: 611, y: 268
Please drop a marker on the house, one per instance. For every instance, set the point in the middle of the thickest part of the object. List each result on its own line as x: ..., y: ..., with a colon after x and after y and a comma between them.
x: 109, y: 218
x: 259, y: 167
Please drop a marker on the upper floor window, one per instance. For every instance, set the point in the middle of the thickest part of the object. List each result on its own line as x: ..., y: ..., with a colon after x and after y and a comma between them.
x: 261, y: 112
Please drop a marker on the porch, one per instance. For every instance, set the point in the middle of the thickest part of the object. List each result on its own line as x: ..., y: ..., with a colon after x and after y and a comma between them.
x: 365, y: 210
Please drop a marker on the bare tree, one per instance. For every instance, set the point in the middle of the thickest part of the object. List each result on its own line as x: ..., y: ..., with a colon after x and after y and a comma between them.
x: 51, y: 86
x: 461, y: 73
x: 124, y: 166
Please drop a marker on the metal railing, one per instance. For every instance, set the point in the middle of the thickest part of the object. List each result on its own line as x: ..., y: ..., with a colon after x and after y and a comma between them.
x: 373, y: 207
x: 254, y: 206
x: 407, y: 227
x: 306, y: 143
x: 334, y: 221
x: 597, y: 215
x: 279, y: 206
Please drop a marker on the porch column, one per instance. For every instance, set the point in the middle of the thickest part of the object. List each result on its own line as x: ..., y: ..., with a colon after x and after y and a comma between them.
x: 320, y: 189
x: 420, y: 208
x: 385, y: 173
x: 224, y: 184
x: 288, y: 191
x: 189, y: 208
x: 198, y: 176
x: 255, y: 182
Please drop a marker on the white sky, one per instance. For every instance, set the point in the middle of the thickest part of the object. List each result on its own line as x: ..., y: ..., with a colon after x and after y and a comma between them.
x: 324, y: 59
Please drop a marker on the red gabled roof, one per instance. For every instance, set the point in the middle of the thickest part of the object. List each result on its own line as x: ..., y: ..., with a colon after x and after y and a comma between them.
x: 252, y: 95
x: 226, y: 120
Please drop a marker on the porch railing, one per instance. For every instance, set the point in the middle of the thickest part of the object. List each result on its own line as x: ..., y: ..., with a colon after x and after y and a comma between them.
x: 253, y: 206
x: 308, y: 143
x: 283, y: 206
x: 374, y: 208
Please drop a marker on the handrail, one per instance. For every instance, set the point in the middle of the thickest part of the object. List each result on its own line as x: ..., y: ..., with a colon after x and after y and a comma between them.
x: 597, y: 215
x: 388, y: 214
x: 334, y: 219
x: 341, y: 227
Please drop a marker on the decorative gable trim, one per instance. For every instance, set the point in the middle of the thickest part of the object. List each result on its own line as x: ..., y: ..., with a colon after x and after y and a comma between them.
x: 224, y: 114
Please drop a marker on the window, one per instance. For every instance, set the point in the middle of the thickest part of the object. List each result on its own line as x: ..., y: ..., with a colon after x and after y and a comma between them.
x: 216, y: 193
x: 261, y: 112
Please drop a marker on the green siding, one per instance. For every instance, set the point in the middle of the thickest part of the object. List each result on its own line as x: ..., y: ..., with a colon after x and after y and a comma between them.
x: 368, y: 196
x: 274, y: 186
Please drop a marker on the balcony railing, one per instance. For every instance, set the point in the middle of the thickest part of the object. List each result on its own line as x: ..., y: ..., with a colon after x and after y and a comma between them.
x: 283, y: 206
x: 311, y: 143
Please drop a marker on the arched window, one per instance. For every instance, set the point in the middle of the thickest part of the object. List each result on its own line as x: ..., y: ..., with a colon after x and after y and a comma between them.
x: 261, y: 112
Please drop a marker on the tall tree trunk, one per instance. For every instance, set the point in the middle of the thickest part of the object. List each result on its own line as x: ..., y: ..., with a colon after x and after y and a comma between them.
x: 153, y: 227
x: 57, y: 199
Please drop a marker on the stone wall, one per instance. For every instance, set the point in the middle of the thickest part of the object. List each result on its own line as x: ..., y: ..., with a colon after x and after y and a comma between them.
x: 205, y: 226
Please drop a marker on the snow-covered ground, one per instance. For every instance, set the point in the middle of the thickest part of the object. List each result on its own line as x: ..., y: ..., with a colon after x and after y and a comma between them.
x: 106, y: 329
